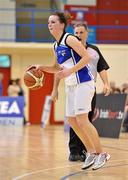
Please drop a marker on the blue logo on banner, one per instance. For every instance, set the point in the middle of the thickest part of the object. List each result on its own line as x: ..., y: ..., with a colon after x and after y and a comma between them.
x: 11, y: 110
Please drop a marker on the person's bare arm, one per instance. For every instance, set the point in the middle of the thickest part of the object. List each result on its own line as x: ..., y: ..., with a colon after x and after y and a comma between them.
x: 104, y: 76
x: 53, y: 68
x: 50, y: 69
x: 54, y: 94
x: 78, y: 47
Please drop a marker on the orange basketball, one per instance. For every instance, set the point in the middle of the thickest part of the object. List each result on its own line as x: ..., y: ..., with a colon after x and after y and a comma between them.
x: 34, y: 78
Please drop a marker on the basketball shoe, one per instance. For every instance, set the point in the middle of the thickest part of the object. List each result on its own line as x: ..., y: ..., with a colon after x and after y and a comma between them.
x: 100, y: 160
x: 89, y: 161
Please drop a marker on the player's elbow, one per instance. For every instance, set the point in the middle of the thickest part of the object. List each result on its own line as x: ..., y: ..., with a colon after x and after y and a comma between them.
x: 55, y: 68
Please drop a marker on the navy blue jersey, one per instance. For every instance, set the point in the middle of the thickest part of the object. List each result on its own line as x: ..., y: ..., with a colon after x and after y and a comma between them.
x: 67, y: 57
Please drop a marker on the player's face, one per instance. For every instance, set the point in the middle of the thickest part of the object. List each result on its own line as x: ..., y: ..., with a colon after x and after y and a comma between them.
x: 81, y: 33
x: 54, y: 25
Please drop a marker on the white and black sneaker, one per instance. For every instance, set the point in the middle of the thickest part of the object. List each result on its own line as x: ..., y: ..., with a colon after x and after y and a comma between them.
x: 89, y: 161
x: 100, y: 160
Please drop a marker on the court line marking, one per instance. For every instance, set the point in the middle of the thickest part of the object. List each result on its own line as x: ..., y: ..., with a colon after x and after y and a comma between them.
x: 84, y: 172
x: 43, y: 170
x: 55, y: 168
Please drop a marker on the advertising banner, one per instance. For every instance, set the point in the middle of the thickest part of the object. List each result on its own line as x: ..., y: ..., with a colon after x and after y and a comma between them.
x: 11, y: 110
x: 109, y: 114
x: 84, y: 14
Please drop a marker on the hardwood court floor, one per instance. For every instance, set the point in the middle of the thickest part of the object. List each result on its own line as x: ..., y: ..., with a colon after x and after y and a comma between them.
x: 33, y: 153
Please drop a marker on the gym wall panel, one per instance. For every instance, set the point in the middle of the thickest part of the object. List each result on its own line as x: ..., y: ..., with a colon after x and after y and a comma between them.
x: 25, y: 54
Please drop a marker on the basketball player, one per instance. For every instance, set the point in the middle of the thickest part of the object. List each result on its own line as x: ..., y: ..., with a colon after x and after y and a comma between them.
x: 71, y: 63
x: 97, y: 64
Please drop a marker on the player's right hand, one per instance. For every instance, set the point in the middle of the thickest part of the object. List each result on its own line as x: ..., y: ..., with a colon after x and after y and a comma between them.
x: 35, y: 66
x: 54, y: 95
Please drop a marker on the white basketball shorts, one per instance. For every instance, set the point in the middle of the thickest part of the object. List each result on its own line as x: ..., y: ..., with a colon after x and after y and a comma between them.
x: 78, y: 98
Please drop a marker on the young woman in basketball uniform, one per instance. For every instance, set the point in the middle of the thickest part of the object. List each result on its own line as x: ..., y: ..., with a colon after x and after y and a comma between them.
x: 71, y: 63
x: 97, y: 64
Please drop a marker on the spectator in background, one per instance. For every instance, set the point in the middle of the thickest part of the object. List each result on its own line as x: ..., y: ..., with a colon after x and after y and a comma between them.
x: 114, y: 89
x: 1, y: 85
x: 13, y: 88
x: 125, y: 123
x: 19, y: 83
x: 125, y: 88
x: 112, y: 86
